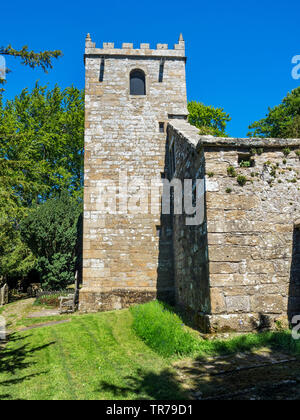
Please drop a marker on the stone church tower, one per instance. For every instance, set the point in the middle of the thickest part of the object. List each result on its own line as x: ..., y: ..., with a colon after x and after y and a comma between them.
x: 238, y: 267
x: 131, y: 94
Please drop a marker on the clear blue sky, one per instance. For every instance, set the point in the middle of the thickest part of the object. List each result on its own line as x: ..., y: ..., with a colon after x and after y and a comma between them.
x: 239, y: 52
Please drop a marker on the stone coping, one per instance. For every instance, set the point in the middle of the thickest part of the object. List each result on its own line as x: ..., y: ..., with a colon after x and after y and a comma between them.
x: 297, y: 223
x: 134, y: 53
x: 192, y: 135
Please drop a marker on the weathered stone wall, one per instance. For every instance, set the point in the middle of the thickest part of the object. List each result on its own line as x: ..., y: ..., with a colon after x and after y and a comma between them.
x: 252, y: 244
x: 189, y: 242
x: 127, y: 257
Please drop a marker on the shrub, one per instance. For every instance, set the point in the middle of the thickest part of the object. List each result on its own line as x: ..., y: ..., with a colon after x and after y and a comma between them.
x: 245, y: 164
x: 241, y: 179
x: 260, y: 151
x: 273, y: 172
x: 51, y: 300
x: 52, y: 232
x: 231, y: 171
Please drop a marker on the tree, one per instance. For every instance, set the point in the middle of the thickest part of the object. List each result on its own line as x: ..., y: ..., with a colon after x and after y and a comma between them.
x: 29, y: 58
x: 51, y: 232
x: 41, y: 154
x: 282, y: 121
x: 41, y: 143
x: 209, y: 120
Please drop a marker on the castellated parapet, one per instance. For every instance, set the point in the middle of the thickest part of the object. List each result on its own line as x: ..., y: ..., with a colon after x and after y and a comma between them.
x: 108, y: 48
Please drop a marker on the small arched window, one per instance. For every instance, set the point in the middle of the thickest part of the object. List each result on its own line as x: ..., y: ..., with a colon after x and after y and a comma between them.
x: 137, y: 82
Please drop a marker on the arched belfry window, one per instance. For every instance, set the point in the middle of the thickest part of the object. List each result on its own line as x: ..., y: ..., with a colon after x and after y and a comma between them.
x: 137, y: 82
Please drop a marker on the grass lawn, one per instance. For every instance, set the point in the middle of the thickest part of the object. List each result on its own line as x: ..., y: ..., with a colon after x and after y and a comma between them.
x: 142, y: 353
x: 95, y: 356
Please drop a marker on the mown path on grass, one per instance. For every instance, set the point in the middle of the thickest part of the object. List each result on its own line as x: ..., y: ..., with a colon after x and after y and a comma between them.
x: 15, y: 312
x: 95, y: 356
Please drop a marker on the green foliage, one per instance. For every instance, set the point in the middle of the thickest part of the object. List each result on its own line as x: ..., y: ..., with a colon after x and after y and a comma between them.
x: 16, y: 259
x: 42, y: 59
x: 29, y: 58
x: 231, y: 171
x: 228, y: 190
x: 162, y: 329
x: 164, y: 332
x: 209, y: 120
x: 286, y: 151
x: 41, y: 154
x: 51, y: 232
x: 50, y: 300
x: 241, y: 179
x: 273, y: 171
x: 282, y: 121
x: 245, y: 164
x: 41, y: 149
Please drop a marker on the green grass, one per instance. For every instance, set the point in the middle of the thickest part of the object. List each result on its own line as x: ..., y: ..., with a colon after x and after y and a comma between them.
x: 95, y: 356
x: 126, y: 354
x: 27, y: 322
x: 281, y: 341
x: 164, y: 332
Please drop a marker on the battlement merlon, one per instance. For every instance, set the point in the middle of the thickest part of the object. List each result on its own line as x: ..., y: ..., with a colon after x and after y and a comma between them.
x: 127, y: 49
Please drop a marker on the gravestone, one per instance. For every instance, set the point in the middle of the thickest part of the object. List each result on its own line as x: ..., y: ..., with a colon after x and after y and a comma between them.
x: 34, y: 289
x: 2, y: 328
x: 4, y: 295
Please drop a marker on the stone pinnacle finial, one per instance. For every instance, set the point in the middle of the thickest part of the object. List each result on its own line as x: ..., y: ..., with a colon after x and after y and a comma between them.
x: 181, y: 43
x: 88, y: 42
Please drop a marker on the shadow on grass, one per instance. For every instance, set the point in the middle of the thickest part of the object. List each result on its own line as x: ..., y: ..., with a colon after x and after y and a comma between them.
x: 243, y: 366
x: 14, y: 357
x: 265, y: 375
x: 244, y: 376
x: 147, y: 385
